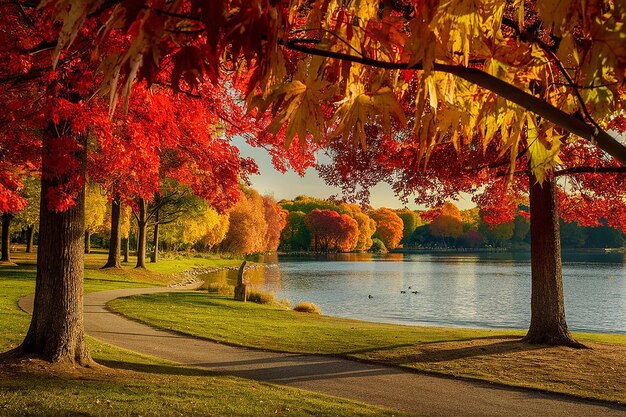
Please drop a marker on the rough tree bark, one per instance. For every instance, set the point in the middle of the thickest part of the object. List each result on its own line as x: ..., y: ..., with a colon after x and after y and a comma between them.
x: 30, y: 236
x: 142, y: 224
x: 87, y: 241
x: 6, y: 237
x: 547, y: 319
x: 56, y: 330
x: 154, y: 257
x: 113, y: 260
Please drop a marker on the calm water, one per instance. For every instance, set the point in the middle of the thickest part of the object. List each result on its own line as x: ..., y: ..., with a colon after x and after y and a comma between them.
x: 487, y: 290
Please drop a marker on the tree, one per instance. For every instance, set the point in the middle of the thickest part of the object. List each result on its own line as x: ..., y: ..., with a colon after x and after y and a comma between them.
x: 411, y: 220
x: 95, y: 210
x: 508, y: 57
x: 497, y: 234
x: 185, y: 152
x: 247, y: 226
x: 572, y: 235
x: 422, y: 237
x: 521, y: 227
x: 295, y: 236
x: 307, y: 204
x: 506, y: 44
x: 57, y: 110
x: 28, y: 217
x: 6, y: 237
x: 331, y: 231
x: 217, y: 232
x: 470, y: 218
x: 170, y: 205
x: 378, y: 246
x: 125, y: 227
x: 367, y: 226
x: 114, y: 209
x: 276, y: 220
x: 471, y: 239
x: 604, y: 237
x: 191, y: 227
x: 447, y: 222
x: 389, y: 227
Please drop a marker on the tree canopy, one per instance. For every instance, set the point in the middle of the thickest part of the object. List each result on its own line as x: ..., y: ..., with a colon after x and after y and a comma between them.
x: 448, y: 70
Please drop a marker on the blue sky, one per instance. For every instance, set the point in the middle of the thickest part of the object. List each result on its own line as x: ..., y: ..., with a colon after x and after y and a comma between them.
x: 290, y: 184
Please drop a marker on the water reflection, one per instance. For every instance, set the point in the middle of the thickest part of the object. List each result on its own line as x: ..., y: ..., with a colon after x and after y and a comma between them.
x: 258, y: 277
x: 488, y: 290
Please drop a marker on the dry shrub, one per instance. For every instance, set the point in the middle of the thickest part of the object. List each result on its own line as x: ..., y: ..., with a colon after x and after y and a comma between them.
x: 221, y: 288
x: 264, y: 297
x: 307, y: 307
x: 261, y: 297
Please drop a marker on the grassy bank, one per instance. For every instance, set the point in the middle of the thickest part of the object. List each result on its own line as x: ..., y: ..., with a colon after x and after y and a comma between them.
x: 495, y: 356
x: 129, y: 383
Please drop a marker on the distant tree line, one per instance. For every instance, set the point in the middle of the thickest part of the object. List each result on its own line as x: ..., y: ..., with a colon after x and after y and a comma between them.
x: 324, y: 225
x: 258, y: 224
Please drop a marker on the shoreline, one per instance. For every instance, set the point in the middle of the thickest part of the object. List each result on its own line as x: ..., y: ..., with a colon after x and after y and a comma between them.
x: 191, y: 276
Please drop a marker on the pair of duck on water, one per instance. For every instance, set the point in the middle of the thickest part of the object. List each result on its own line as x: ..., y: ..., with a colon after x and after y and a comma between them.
x: 401, y: 292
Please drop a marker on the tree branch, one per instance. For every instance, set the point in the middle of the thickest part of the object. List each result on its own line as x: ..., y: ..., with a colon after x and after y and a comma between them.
x: 589, y: 170
x: 503, y: 89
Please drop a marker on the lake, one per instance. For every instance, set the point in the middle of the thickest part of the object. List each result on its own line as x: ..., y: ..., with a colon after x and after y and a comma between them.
x: 480, y: 290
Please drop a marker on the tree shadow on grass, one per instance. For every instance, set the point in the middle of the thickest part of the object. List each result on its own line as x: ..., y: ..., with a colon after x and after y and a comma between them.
x: 163, y: 369
x: 431, y: 355
x: 417, y: 344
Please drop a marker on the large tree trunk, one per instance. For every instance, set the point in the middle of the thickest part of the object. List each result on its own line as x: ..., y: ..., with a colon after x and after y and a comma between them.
x: 56, y: 330
x: 141, y: 236
x: 30, y: 236
x: 87, y: 241
x: 547, y: 318
x: 115, y: 239
x: 6, y: 237
x: 155, y: 240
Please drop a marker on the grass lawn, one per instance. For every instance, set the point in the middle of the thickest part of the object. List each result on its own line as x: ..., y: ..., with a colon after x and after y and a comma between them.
x: 129, y: 383
x: 495, y: 356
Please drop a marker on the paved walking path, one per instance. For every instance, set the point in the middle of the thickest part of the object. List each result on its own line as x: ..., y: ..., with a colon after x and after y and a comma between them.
x: 417, y: 394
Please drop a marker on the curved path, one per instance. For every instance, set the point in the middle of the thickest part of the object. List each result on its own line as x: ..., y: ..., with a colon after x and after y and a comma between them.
x: 411, y: 392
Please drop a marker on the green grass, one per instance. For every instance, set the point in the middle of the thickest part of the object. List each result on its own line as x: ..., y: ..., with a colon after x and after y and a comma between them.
x: 131, y: 383
x: 492, y: 355
x: 167, y: 396
x: 135, y: 385
x: 216, y: 317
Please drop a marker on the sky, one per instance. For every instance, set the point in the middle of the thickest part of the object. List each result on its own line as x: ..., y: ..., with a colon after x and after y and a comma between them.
x: 290, y: 185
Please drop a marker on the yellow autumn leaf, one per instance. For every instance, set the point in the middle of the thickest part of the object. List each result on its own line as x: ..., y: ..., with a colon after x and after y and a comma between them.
x: 302, y: 111
x: 558, y: 14
x: 543, y: 148
x: 360, y: 108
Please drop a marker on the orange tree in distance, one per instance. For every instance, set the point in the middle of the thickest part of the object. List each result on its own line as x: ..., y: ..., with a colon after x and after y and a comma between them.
x: 389, y: 227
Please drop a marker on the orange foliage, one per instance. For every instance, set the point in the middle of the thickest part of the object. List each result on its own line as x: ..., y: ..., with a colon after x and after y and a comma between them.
x: 448, y: 223
x: 367, y: 226
x: 275, y: 220
x: 389, y: 227
x: 332, y: 231
x: 246, y: 233
x: 450, y: 209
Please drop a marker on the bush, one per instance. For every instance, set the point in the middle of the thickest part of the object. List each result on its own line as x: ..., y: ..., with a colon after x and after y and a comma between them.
x: 221, y: 288
x: 261, y: 297
x: 307, y: 307
x: 378, y: 246
x: 264, y: 297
